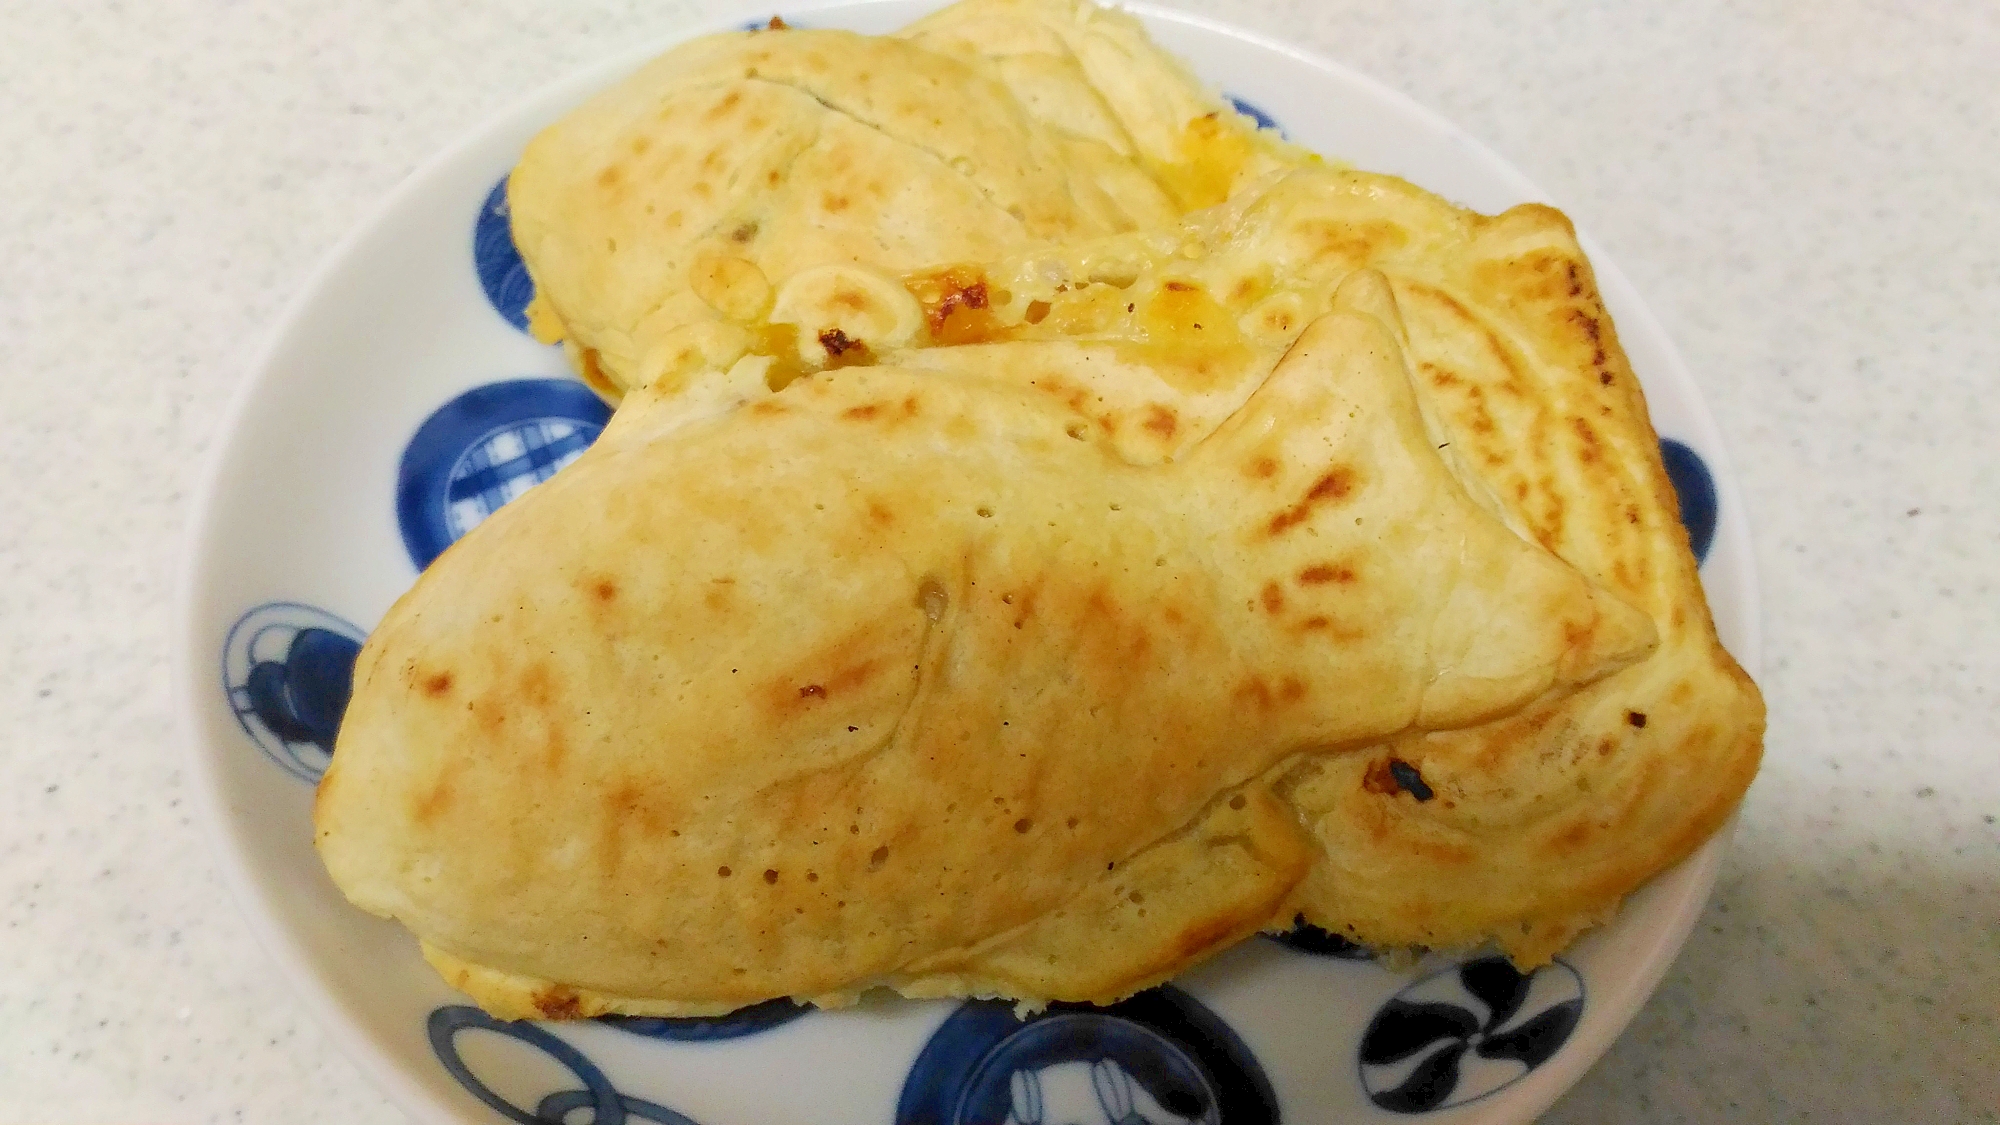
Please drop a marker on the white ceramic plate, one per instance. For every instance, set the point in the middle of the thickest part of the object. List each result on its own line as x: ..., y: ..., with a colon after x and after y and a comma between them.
x: 399, y: 402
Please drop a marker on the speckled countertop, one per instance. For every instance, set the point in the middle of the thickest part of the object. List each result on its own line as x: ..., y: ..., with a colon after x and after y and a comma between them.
x: 1808, y: 194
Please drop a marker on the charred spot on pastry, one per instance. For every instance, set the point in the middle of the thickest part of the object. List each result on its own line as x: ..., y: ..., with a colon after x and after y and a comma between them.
x: 843, y: 350
x: 1636, y: 718
x: 1410, y: 780
x: 1389, y: 776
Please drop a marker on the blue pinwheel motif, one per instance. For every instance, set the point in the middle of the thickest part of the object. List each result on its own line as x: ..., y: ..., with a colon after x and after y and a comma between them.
x: 1461, y: 1034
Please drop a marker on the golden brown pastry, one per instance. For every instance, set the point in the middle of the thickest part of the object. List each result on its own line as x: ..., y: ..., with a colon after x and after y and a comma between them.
x: 1529, y: 830
x: 1094, y: 72
x: 1535, y: 827
x: 763, y: 191
x: 895, y: 677
x: 1125, y: 577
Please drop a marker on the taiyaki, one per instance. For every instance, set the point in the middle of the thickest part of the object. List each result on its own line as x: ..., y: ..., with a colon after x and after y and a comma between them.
x: 888, y: 677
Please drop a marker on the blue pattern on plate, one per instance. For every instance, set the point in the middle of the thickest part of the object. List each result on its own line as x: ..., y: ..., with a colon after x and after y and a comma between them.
x: 494, y: 255
x: 1263, y: 120
x: 708, y: 1029
x: 1696, y: 490
x: 606, y: 1105
x: 1157, y: 1058
x: 484, y: 448
x: 1308, y: 938
x: 1466, y: 1032
x: 287, y: 669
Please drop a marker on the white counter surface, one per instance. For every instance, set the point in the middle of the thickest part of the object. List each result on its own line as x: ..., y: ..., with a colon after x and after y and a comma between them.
x: 1808, y: 194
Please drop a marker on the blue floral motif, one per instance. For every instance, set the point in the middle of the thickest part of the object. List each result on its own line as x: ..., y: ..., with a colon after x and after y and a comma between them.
x: 1308, y: 938
x: 288, y: 669
x: 596, y: 1093
x: 1460, y: 1034
x: 485, y: 448
x: 1263, y: 120
x: 1157, y: 1058
x: 1696, y: 490
x: 735, y: 1025
x: 498, y: 261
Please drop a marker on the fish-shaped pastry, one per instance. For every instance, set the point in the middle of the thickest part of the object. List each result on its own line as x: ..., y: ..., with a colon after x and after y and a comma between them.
x: 763, y: 192
x: 1522, y: 832
x: 1528, y: 830
x: 910, y: 678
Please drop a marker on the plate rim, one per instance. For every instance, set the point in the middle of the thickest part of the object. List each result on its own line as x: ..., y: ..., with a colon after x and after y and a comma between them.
x: 1538, y: 1090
